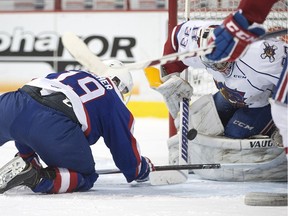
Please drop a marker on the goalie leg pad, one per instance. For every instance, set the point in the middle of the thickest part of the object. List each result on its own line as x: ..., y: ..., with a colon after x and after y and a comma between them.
x: 268, y: 163
x: 173, y: 148
x: 204, y: 117
x: 280, y: 116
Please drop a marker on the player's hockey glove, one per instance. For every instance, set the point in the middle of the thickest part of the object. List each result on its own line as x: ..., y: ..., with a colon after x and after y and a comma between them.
x: 146, y: 167
x: 231, y: 39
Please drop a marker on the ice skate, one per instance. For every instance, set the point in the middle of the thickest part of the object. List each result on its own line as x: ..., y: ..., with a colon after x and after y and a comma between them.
x: 17, y: 172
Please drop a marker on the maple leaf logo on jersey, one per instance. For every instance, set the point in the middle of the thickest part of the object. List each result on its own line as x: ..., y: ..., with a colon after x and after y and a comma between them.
x: 269, y: 51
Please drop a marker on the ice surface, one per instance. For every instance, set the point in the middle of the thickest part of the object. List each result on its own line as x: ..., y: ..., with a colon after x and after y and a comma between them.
x: 111, y: 195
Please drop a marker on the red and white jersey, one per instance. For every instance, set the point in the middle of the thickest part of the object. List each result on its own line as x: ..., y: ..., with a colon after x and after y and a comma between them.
x: 251, y: 79
x: 256, y: 10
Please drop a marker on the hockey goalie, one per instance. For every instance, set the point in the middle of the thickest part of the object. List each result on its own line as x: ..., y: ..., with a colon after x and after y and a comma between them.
x: 234, y: 125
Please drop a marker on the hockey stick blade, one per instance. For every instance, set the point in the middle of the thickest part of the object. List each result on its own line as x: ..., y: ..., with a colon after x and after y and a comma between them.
x: 168, y: 177
x: 80, y: 51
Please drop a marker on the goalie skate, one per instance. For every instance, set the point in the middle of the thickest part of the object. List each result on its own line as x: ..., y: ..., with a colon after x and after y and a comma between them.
x: 17, y: 172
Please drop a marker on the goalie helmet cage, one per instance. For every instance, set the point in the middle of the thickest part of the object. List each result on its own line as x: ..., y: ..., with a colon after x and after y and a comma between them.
x: 216, y: 10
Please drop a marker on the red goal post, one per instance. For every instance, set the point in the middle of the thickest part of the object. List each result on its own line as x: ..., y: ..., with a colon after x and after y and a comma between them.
x: 217, y: 10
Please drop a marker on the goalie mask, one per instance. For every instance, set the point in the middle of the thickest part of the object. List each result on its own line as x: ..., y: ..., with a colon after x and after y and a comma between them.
x: 204, y: 34
x: 121, y: 78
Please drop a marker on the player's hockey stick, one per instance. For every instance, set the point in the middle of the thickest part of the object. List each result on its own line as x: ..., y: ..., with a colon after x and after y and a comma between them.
x: 78, y: 49
x: 249, y: 166
x: 172, y: 176
x: 196, y: 52
x: 167, y: 168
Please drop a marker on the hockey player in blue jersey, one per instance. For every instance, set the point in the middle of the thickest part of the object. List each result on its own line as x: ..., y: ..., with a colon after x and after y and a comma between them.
x: 58, y: 118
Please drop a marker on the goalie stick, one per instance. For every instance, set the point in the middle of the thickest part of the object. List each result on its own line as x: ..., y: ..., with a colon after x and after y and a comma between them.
x: 184, y: 114
x: 179, y: 176
x: 174, y: 176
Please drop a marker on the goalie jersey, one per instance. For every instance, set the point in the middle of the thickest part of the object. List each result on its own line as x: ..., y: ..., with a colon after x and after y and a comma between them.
x: 250, y: 80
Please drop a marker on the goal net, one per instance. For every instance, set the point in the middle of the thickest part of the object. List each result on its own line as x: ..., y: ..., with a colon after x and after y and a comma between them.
x: 217, y: 10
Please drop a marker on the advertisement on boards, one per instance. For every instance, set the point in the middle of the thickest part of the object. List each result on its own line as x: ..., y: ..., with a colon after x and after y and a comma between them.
x: 30, y: 44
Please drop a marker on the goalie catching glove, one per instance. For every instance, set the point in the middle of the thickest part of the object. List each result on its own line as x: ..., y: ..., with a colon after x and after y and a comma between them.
x: 173, y: 91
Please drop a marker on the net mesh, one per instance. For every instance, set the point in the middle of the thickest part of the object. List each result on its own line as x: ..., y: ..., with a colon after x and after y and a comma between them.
x: 217, y: 10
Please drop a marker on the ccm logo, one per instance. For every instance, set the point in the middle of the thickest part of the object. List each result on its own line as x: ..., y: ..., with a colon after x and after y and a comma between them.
x: 232, y: 27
